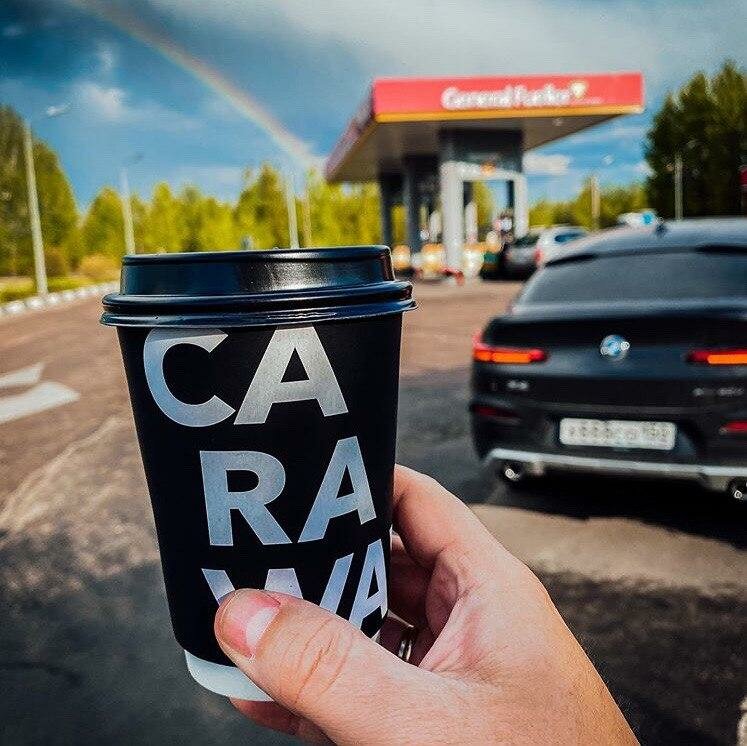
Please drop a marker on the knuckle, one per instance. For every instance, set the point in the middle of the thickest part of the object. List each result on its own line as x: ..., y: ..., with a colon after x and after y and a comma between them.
x: 313, y: 665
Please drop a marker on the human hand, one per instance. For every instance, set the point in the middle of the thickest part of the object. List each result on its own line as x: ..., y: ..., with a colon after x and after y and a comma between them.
x: 493, y: 660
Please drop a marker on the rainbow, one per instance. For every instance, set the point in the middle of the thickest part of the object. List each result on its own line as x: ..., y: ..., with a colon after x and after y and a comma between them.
x: 299, y: 151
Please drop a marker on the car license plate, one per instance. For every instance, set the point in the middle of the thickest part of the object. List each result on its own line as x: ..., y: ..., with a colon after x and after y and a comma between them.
x: 617, y: 434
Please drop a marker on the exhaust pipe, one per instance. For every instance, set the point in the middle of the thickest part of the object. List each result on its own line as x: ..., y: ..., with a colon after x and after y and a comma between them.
x: 515, y: 472
x: 738, y: 489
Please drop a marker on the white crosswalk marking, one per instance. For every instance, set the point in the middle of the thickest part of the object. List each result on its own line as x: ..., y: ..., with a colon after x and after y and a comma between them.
x: 22, y: 377
x: 42, y: 396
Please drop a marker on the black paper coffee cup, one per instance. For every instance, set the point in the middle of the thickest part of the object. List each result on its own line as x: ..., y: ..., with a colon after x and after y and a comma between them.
x: 264, y: 390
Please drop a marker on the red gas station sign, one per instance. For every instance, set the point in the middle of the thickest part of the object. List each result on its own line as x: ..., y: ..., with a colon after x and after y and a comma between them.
x: 393, y: 102
x: 396, y: 99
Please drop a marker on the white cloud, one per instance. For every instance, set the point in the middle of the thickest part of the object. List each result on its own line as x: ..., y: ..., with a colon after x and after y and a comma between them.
x: 106, y: 56
x: 620, y: 131
x: 107, y: 102
x: 111, y: 104
x: 481, y: 36
x: 642, y: 168
x: 539, y: 164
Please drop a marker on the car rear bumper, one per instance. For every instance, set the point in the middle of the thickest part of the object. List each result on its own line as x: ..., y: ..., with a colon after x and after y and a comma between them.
x: 536, y: 464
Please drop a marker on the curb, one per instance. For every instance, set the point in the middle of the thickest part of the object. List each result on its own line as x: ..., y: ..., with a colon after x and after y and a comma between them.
x: 38, y: 302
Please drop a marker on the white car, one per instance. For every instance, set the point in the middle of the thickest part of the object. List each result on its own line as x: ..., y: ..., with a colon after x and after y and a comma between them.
x: 529, y: 252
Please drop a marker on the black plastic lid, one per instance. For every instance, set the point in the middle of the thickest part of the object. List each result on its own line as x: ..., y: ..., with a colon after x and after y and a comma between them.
x: 247, y: 288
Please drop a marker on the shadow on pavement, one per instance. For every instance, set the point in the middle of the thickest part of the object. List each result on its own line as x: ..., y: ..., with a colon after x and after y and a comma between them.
x: 679, y: 506
x: 672, y: 659
x: 99, y: 664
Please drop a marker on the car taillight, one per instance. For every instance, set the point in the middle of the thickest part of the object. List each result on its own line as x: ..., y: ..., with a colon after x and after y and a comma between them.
x: 506, y: 415
x: 736, y: 427
x: 485, y: 353
x: 719, y: 357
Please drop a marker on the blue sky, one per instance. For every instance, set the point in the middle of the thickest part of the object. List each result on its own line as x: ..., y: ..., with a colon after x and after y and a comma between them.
x: 309, y: 62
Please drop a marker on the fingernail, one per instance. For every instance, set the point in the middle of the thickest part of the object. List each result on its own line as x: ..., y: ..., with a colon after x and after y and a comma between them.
x: 245, y: 618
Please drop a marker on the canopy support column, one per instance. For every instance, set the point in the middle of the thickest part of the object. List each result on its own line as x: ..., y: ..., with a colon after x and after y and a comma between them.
x: 411, y: 199
x: 521, y: 206
x: 389, y: 186
x: 452, y: 211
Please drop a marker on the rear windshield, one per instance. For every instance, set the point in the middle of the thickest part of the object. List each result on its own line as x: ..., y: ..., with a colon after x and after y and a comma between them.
x: 564, y: 237
x: 667, y: 276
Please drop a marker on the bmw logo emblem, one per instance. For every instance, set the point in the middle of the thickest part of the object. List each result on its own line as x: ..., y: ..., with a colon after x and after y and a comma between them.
x: 614, y: 347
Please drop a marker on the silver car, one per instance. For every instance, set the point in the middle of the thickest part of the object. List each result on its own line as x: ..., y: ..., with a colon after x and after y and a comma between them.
x: 528, y: 252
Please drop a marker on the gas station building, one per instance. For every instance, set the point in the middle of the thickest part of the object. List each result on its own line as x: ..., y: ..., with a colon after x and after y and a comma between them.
x: 425, y: 140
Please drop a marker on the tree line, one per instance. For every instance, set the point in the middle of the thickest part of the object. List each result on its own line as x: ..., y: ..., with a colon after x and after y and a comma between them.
x: 704, y: 124
x: 169, y: 221
x: 613, y: 201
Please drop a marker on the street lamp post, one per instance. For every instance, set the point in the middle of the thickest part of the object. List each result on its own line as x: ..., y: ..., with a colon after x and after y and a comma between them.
x: 290, y: 198
x: 129, y: 231
x: 37, y: 241
x: 124, y: 188
x: 306, y: 213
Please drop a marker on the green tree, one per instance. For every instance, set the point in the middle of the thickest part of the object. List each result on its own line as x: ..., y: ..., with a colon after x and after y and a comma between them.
x: 485, y: 204
x: 139, y: 221
x: 343, y: 214
x: 163, y: 227
x: 57, y: 208
x: 728, y: 138
x: 217, y: 229
x: 58, y: 211
x: 190, y: 202
x: 209, y: 223
x: 580, y: 206
x: 705, y: 124
x: 261, y: 213
x: 613, y: 201
x: 103, y: 225
x: 325, y: 201
x: 620, y: 199
x: 542, y: 213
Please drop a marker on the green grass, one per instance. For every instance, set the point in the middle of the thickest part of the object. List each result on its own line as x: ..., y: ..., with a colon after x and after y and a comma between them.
x: 18, y: 288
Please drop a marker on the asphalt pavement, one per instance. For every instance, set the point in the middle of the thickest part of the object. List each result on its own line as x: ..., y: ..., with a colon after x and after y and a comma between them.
x: 652, y: 577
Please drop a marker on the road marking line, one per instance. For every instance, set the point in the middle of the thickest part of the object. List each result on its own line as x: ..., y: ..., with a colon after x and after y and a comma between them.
x: 41, y: 397
x: 22, y: 377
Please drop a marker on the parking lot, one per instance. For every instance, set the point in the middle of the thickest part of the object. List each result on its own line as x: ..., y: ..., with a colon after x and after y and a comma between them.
x: 650, y: 576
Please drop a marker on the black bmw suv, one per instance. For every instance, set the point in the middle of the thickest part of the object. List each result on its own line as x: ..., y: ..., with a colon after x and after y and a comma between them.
x: 627, y: 355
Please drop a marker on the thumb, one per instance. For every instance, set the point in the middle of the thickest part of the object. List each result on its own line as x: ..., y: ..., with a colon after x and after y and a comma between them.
x: 321, y: 667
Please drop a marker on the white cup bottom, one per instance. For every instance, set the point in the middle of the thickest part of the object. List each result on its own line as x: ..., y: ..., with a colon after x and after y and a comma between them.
x: 225, y: 680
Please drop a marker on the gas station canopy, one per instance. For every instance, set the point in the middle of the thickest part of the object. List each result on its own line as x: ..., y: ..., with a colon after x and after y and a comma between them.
x: 426, y: 139
x: 403, y: 116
